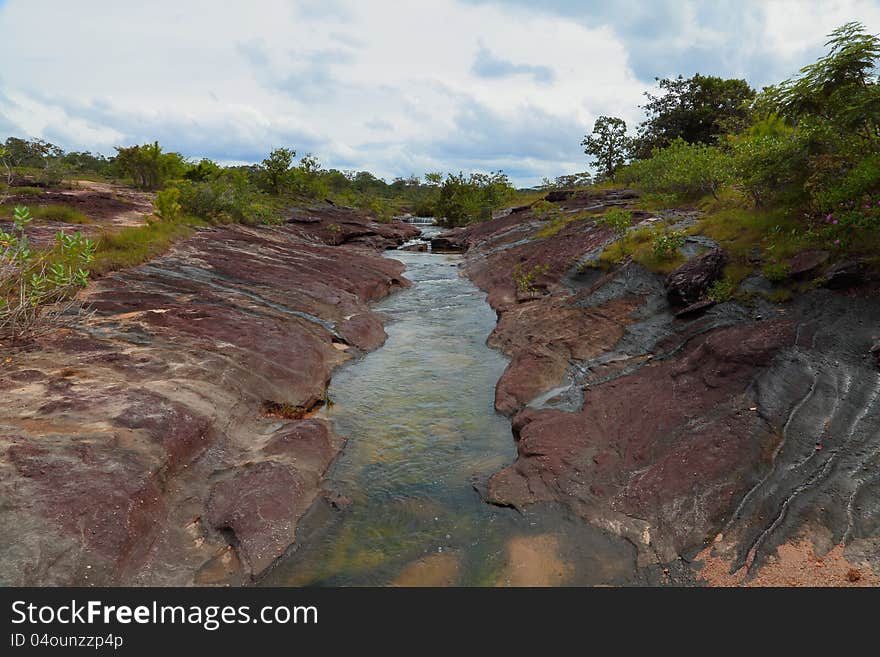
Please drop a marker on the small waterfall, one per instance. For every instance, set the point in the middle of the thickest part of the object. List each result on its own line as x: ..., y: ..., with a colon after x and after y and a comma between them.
x: 418, y: 221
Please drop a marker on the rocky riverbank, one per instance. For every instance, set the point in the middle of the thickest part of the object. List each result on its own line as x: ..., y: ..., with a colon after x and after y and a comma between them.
x: 166, y: 440
x: 730, y: 444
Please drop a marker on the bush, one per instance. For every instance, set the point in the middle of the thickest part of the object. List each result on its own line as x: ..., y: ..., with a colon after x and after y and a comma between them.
x: 34, y: 285
x: 275, y: 171
x: 229, y: 199
x: 771, y: 168
x: 776, y: 272
x: 686, y: 170
x: 147, y: 166
x: 466, y: 199
x: 524, y: 279
x: 205, y: 170
x: 722, y: 290
x: 168, y: 204
x: 665, y: 244
x: 617, y: 220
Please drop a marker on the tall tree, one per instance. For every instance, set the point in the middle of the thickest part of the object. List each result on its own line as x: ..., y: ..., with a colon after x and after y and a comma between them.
x: 608, y: 144
x: 842, y: 88
x: 276, y: 170
x: 696, y: 109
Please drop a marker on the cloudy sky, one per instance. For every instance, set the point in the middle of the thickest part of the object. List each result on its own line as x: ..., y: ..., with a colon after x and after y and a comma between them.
x: 396, y: 87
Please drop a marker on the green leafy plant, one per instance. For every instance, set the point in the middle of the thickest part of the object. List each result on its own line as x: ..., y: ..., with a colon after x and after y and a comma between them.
x: 168, y: 204
x: 148, y: 166
x: 38, y: 286
x: 682, y: 169
x: 776, y: 272
x: 722, y: 290
x: 666, y: 243
x: 525, y: 278
x: 276, y: 170
x: 466, y: 199
x: 617, y: 220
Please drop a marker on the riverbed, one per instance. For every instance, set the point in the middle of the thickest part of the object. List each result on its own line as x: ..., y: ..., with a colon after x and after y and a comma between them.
x: 423, y: 436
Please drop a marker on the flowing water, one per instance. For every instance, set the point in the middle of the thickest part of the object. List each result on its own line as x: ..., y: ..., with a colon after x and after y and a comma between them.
x: 418, y: 414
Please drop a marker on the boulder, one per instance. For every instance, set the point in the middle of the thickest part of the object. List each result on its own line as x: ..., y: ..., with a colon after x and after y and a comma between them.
x: 447, y: 243
x: 420, y: 248
x: 559, y: 195
x: 806, y: 263
x: 689, y: 283
x: 844, y: 274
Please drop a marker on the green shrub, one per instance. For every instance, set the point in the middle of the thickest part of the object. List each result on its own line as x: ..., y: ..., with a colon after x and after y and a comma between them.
x: 772, y: 168
x: 35, y: 284
x: 148, y: 167
x: 683, y: 169
x: 666, y: 243
x: 466, y: 199
x: 617, y: 220
x: 168, y: 204
x: 205, y: 170
x: 721, y: 290
x: 776, y: 272
x: 524, y: 279
x: 229, y: 199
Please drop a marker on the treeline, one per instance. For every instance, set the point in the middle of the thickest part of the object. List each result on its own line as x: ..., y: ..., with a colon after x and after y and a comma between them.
x: 256, y: 193
x: 809, y: 145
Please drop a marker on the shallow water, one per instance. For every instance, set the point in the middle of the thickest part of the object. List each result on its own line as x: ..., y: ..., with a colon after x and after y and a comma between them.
x: 418, y: 414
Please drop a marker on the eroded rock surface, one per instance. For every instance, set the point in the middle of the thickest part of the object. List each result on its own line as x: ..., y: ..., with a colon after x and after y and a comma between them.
x: 137, y: 448
x: 733, y: 430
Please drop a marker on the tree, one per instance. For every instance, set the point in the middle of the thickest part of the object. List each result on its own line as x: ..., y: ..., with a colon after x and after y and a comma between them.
x: 148, y: 167
x: 697, y: 110
x: 30, y: 153
x: 308, y: 178
x: 276, y: 170
x: 608, y: 144
x: 465, y: 199
x: 841, y: 88
x: 205, y: 170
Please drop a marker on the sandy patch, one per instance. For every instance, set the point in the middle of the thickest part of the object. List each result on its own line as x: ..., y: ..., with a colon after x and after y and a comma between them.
x: 534, y: 561
x: 795, y: 564
x: 433, y: 570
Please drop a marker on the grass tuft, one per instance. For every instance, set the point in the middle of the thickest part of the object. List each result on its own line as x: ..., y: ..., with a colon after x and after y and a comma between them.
x: 135, y: 245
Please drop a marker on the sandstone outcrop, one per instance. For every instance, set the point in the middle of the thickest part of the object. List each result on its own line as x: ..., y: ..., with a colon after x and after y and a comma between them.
x: 730, y: 429
x: 167, y: 439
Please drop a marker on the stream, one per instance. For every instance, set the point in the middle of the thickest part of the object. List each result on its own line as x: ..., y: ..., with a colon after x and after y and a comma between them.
x: 421, y: 427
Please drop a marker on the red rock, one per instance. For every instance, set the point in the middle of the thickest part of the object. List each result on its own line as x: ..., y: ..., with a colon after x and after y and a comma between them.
x: 806, y: 263
x: 260, y: 504
x: 689, y: 283
x: 635, y: 442
x: 106, y: 466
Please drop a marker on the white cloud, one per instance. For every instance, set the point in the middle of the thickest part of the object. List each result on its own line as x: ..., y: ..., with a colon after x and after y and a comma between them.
x: 336, y: 77
x: 384, y: 85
